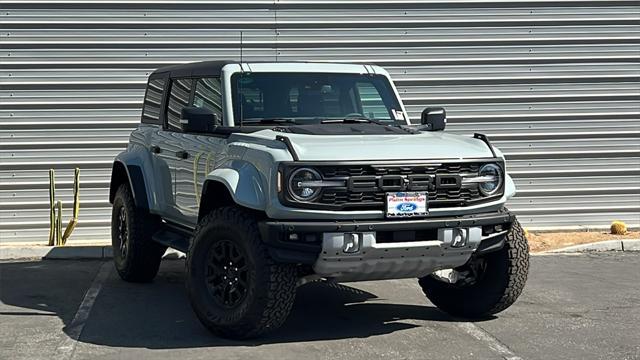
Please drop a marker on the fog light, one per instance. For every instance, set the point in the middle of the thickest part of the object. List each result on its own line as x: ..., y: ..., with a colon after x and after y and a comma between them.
x: 293, y: 237
x: 351, y: 243
x: 459, y: 238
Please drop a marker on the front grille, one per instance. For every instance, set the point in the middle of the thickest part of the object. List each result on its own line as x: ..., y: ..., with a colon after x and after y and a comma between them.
x: 366, y: 185
x: 355, y: 170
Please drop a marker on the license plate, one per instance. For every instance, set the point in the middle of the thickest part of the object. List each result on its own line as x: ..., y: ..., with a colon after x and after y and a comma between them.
x: 407, y: 204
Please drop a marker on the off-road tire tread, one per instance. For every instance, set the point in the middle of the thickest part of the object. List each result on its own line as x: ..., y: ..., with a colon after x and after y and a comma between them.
x: 457, y: 302
x: 518, y: 248
x: 281, y: 284
x: 144, y: 254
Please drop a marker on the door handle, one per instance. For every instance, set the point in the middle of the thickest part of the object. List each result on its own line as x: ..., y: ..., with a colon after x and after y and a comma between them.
x: 182, y: 154
x: 155, y: 149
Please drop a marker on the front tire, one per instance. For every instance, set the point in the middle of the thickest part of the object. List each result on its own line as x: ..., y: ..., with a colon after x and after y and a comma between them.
x: 136, y: 256
x: 235, y: 287
x: 494, y: 282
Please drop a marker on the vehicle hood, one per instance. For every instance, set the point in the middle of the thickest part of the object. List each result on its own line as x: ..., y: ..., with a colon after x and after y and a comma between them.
x: 407, y: 146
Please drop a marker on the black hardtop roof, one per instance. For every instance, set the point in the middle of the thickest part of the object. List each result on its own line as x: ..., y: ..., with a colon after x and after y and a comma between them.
x: 206, y: 68
x: 202, y: 68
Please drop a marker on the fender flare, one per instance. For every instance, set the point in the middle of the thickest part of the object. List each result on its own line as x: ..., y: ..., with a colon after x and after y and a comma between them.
x: 134, y: 179
x: 129, y: 163
x: 245, y: 184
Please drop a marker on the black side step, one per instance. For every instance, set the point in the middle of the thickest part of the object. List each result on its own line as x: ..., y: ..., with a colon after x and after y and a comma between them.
x: 173, y: 236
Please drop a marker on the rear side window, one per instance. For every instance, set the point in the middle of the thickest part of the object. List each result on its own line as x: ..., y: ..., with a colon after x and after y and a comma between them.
x: 208, y: 95
x: 153, y: 101
x: 178, y: 99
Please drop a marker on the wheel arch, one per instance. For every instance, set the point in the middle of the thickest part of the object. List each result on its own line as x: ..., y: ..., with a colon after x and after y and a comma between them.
x: 131, y: 175
x: 239, y: 184
x: 215, y: 194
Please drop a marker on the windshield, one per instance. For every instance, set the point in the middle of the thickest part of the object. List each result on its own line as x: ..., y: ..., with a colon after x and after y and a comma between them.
x: 312, y: 98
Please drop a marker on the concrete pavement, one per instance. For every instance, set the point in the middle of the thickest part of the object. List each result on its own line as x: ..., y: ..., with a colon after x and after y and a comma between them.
x: 574, y: 307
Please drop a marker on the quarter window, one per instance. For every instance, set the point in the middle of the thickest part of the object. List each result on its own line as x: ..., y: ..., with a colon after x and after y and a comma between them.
x: 153, y: 101
x: 178, y: 99
x: 208, y: 95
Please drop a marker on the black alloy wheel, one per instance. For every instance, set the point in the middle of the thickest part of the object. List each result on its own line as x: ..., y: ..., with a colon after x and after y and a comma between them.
x: 236, y: 288
x: 227, y: 273
x: 123, y: 231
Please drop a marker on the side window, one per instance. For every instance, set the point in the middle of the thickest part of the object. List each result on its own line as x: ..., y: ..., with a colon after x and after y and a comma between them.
x: 372, y: 105
x: 208, y: 95
x: 178, y: 99
x: 152, y: 101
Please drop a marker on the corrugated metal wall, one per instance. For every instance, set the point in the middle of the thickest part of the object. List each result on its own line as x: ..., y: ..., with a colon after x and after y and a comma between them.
x: 556, y: 84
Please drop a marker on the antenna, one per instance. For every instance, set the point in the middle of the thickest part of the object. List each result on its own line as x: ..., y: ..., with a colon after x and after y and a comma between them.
x: 240, y: 102
x: 240, y: 47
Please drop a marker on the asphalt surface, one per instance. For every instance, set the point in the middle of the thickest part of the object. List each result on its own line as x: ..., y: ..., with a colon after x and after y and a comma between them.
x: 574, y: 307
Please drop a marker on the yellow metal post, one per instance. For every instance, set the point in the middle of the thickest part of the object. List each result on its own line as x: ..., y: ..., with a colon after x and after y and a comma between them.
x: 52, y: 210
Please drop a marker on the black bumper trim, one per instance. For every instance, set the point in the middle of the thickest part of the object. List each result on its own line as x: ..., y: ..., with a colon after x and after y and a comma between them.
x: 274, y: 233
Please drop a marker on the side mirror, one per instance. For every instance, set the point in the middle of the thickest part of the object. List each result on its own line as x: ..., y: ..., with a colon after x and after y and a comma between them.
x: 434, y: 118
x: 197, y: 119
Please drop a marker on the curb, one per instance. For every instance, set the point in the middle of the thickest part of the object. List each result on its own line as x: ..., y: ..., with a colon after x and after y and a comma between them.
x: 67, y: 252
x: 608, y: 245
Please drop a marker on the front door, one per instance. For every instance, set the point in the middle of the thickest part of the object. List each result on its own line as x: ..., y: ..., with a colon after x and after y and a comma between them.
x: 202, y: 153
x: 194, y: 155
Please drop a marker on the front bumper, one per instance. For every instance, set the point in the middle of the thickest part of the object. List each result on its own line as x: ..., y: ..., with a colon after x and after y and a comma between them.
x: 386, y: 248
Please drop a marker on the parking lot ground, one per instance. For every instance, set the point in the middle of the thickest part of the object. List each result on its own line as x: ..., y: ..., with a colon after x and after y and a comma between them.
x: 583, y: 306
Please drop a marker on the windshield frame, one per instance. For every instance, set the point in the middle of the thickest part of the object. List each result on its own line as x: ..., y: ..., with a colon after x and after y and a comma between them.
x: 388, y: 94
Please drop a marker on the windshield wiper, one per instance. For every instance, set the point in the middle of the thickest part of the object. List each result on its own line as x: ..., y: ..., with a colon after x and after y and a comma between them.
x: 269, y: 121
x: 352, y: 120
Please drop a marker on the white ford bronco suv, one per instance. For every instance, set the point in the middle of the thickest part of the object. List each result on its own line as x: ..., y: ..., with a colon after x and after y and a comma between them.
x: 270, y: 175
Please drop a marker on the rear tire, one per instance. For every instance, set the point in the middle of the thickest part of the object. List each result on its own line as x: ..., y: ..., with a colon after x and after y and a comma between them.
x: 136, y: 256
x: 236, y: 289
x: 496, y: 287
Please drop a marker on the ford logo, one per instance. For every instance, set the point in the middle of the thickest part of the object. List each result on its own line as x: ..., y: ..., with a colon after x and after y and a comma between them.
x: 406, y: 207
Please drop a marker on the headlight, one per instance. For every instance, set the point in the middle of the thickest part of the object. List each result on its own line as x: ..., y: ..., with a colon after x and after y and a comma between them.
x: 491, y: 175
x: 305, y: 184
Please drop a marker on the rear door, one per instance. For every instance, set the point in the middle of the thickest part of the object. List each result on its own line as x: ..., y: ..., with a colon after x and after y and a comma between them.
x: 174, y: 150
x: 153, y: 140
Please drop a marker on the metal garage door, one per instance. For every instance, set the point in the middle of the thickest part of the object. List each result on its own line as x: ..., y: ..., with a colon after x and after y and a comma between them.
x: 555, y: 84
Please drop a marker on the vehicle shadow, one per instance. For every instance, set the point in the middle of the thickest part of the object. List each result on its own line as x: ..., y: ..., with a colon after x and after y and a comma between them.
x: 158, y: 315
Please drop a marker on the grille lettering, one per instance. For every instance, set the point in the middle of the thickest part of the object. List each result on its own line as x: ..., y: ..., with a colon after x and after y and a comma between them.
x: 420, y: 182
